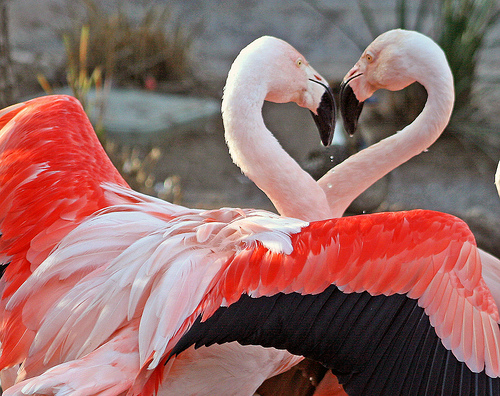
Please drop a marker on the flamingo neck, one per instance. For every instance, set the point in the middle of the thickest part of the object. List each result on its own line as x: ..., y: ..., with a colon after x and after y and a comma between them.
x: 259, y: 155
x: 349, y: 179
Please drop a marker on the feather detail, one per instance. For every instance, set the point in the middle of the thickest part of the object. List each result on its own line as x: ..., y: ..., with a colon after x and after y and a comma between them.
x: 153, y: 256
x: 107, y: 371
x: 43, y: 197
x: 425, y: 269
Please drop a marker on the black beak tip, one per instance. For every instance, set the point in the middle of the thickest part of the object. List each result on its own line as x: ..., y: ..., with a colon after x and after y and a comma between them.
x: 326, y: 117
x: 327, y: 141
x: 350, y: 108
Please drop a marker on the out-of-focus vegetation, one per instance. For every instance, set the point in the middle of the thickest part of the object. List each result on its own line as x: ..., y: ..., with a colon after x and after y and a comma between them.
x: 81, y: 82
x: 78, y: 76
x: 137, y: 166
x: 110, y: 47
x: 464, y: 24
x: 130, y: 50
x: 7, y: 86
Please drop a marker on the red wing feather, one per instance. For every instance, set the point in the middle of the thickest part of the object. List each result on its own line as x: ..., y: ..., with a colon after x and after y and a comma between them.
x: 40, y: 184
x: 52, y: 166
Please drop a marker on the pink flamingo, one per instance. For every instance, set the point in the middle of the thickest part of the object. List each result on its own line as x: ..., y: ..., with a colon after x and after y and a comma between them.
x: 497, y: 178
x: 394, y: 60
x: 254, y: 274
x: 386, y: 64
x: 48, y: 180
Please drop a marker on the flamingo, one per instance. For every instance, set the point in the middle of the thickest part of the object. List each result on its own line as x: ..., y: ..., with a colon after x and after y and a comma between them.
x: 497, y: 178
x: 386, y: 64
x: 355, y: 293
x: 50, y: 186
x: 378, y: 68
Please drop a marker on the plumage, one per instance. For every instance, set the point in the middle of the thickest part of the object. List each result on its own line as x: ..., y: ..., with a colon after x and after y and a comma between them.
x: 34, y: 219
x: 394, y: 350
x: 166, y: 313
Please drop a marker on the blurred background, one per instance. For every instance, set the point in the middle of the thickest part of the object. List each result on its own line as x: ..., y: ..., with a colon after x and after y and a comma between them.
x: 150, y: 75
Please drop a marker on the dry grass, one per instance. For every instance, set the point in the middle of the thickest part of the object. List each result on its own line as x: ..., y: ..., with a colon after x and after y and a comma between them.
x: 131, y: 50
x: 111, y: 47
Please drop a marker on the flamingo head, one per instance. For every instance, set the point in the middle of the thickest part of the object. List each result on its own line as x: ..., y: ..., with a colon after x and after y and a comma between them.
x: 306, y: 87
x: 394, y: 60
x: 290, y: 78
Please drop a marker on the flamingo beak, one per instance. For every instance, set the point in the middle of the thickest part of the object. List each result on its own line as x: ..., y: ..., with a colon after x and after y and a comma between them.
x: 350, y: 106
x: 325, y: 117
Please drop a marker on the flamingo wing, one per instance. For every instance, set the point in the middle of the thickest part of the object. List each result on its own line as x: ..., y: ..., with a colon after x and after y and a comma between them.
x: 360, y: 335
x: 105, y: 271
x: 108, y: 370
x: 428, y: 257
x: 52, y: 168
x: 375, y: 345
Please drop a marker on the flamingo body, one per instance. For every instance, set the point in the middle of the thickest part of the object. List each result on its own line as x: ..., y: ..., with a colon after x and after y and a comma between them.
x: 233, y: 253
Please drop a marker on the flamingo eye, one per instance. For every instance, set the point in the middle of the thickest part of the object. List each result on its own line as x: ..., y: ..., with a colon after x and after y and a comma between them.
x: 299, y: 62
x: 369, y: 57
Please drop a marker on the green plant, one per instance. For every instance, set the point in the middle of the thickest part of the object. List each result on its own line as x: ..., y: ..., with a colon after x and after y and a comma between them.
x: 156, y: 45
x: 464, y: 25
x: 401, y: 13
x: 77, y: 75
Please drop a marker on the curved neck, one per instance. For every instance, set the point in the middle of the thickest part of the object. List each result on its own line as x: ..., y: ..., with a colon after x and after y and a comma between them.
x: 259, y: 155
x: 349, y: 179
